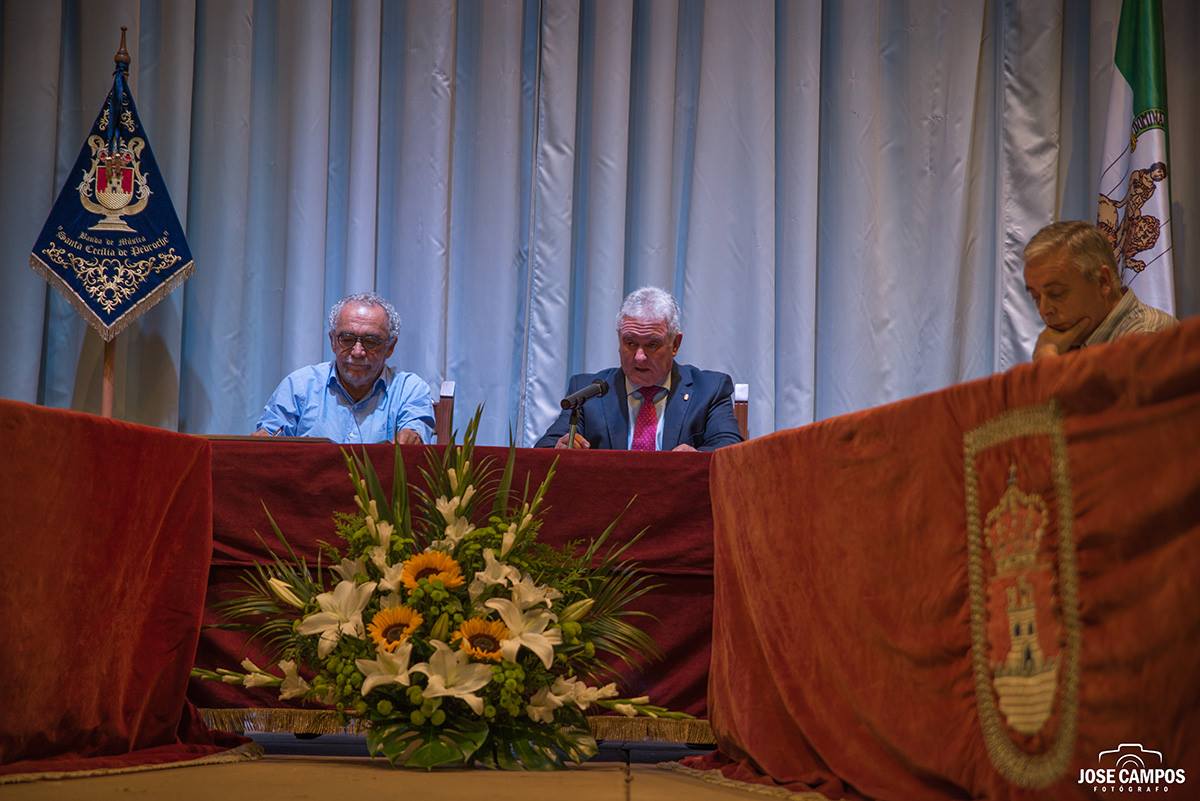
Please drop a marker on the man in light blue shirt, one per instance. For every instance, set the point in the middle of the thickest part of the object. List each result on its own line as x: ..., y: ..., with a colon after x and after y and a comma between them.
x: 356, y: 398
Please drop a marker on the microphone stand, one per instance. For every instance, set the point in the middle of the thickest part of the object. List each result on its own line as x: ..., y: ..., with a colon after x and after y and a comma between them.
x: 574, y: 424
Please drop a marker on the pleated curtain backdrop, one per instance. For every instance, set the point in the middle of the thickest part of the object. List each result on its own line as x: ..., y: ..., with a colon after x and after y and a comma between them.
x: 837, y: 192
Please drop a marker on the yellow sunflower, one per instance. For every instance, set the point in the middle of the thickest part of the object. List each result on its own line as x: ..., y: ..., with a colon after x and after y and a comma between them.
x: 431, y: 565
x: 392, y: 626
x: 481, y: 638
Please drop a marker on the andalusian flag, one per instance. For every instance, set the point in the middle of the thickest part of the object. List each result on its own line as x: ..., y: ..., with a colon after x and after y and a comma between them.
x: 1135, y: 202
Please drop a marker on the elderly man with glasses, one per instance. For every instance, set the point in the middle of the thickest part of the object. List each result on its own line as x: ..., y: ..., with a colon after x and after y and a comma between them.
x: 356, y: 398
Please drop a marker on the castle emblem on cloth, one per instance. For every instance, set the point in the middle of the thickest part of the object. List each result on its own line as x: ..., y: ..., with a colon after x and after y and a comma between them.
x: 1023, y: 591
x: 115, y: 185
x: 1026, y: 678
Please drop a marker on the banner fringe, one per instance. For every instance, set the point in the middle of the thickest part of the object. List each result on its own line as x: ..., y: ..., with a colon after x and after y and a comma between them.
x: 109, y: 332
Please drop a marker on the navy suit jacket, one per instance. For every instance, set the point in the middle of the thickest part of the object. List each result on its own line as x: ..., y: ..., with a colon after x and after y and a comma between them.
x: 699, y: 411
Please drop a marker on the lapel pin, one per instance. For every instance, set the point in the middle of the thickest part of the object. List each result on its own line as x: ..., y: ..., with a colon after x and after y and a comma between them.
x: 686, y: 396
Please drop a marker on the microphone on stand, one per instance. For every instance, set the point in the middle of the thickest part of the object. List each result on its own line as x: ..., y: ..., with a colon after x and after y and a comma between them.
x: 575, y: 402
x: 596, y: 389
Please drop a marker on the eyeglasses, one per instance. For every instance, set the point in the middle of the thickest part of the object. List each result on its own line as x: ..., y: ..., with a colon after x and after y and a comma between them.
x: 346, y: 341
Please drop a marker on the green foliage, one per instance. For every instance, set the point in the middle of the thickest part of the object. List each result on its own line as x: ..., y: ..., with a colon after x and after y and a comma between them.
x: 427, y: 746
x: 526, y: 745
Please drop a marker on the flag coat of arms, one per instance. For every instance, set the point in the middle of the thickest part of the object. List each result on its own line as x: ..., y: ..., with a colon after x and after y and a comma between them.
x: 1134, y: 205
x: 113, y: 244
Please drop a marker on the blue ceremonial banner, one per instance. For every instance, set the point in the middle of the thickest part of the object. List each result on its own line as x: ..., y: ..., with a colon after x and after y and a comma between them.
x: 113, y: 244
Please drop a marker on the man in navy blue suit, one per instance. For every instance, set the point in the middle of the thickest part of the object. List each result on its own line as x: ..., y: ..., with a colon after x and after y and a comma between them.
x: 653, y: 403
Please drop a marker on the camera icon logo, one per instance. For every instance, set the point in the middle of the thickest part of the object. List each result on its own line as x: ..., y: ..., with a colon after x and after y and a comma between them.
x: 1131, y: 767
x: 1130, y: 755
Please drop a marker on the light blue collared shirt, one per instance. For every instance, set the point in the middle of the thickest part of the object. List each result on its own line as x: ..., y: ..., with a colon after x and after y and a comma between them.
x: 311, y: 402
x: 634, y: 399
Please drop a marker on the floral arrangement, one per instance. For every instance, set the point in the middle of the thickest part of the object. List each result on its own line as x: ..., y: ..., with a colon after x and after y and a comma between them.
x: 447, y: 627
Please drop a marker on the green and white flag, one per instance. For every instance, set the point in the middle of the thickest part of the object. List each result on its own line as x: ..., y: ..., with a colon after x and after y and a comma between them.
x: 1134, y: 209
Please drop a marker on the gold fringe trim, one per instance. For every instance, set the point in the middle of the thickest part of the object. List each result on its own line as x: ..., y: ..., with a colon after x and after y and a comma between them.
x: 109, y: 332
x: 689, y: 731
x: 716, y: 777
x: 324, y: 721
x: 281, y: 719
x: 242, y: 753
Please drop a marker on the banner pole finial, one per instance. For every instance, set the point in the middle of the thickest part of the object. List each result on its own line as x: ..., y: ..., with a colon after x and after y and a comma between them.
x: 121, y: 59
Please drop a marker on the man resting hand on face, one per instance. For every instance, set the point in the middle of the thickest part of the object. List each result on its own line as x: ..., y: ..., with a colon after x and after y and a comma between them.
x: 1071, y: 275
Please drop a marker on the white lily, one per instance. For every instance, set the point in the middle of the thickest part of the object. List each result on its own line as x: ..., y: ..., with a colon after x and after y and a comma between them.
x: 293, y: 685
x: 348, y: 569
x: 494, y: 572
x: 387, y: 668
x: 284, y: 591
x: 526, y: 594
x: 451, y: 673
x: 341, y: 614
x: 528, y: 629
x: 625, y: 709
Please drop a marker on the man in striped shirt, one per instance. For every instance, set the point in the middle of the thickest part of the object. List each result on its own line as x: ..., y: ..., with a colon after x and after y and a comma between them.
x: 1071, y: 275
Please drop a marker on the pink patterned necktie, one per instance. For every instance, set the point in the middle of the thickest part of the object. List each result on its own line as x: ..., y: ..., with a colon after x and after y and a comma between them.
x: 645, y: 428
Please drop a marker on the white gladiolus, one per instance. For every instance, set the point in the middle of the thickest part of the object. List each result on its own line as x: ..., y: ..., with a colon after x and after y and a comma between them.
x: 293, y: 686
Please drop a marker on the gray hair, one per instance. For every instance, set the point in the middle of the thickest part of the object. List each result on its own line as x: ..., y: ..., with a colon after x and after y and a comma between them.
x: 651, y: 303
x: 1081, y: 242
x: 367, y: 299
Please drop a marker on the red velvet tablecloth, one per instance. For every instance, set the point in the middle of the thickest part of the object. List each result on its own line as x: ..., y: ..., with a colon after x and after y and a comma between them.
x: 985, y: 592
x: 106, y: 544
x: 303, y: 483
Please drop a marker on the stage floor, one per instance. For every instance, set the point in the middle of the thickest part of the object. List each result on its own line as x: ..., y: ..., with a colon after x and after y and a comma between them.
x: 319, y: 778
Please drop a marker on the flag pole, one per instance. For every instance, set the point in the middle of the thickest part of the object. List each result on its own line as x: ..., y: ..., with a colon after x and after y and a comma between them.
x: 121, y: 57
x: 106, y: 393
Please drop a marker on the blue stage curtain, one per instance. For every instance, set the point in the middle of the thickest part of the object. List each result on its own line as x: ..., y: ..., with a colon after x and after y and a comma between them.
x: 837, y: 192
